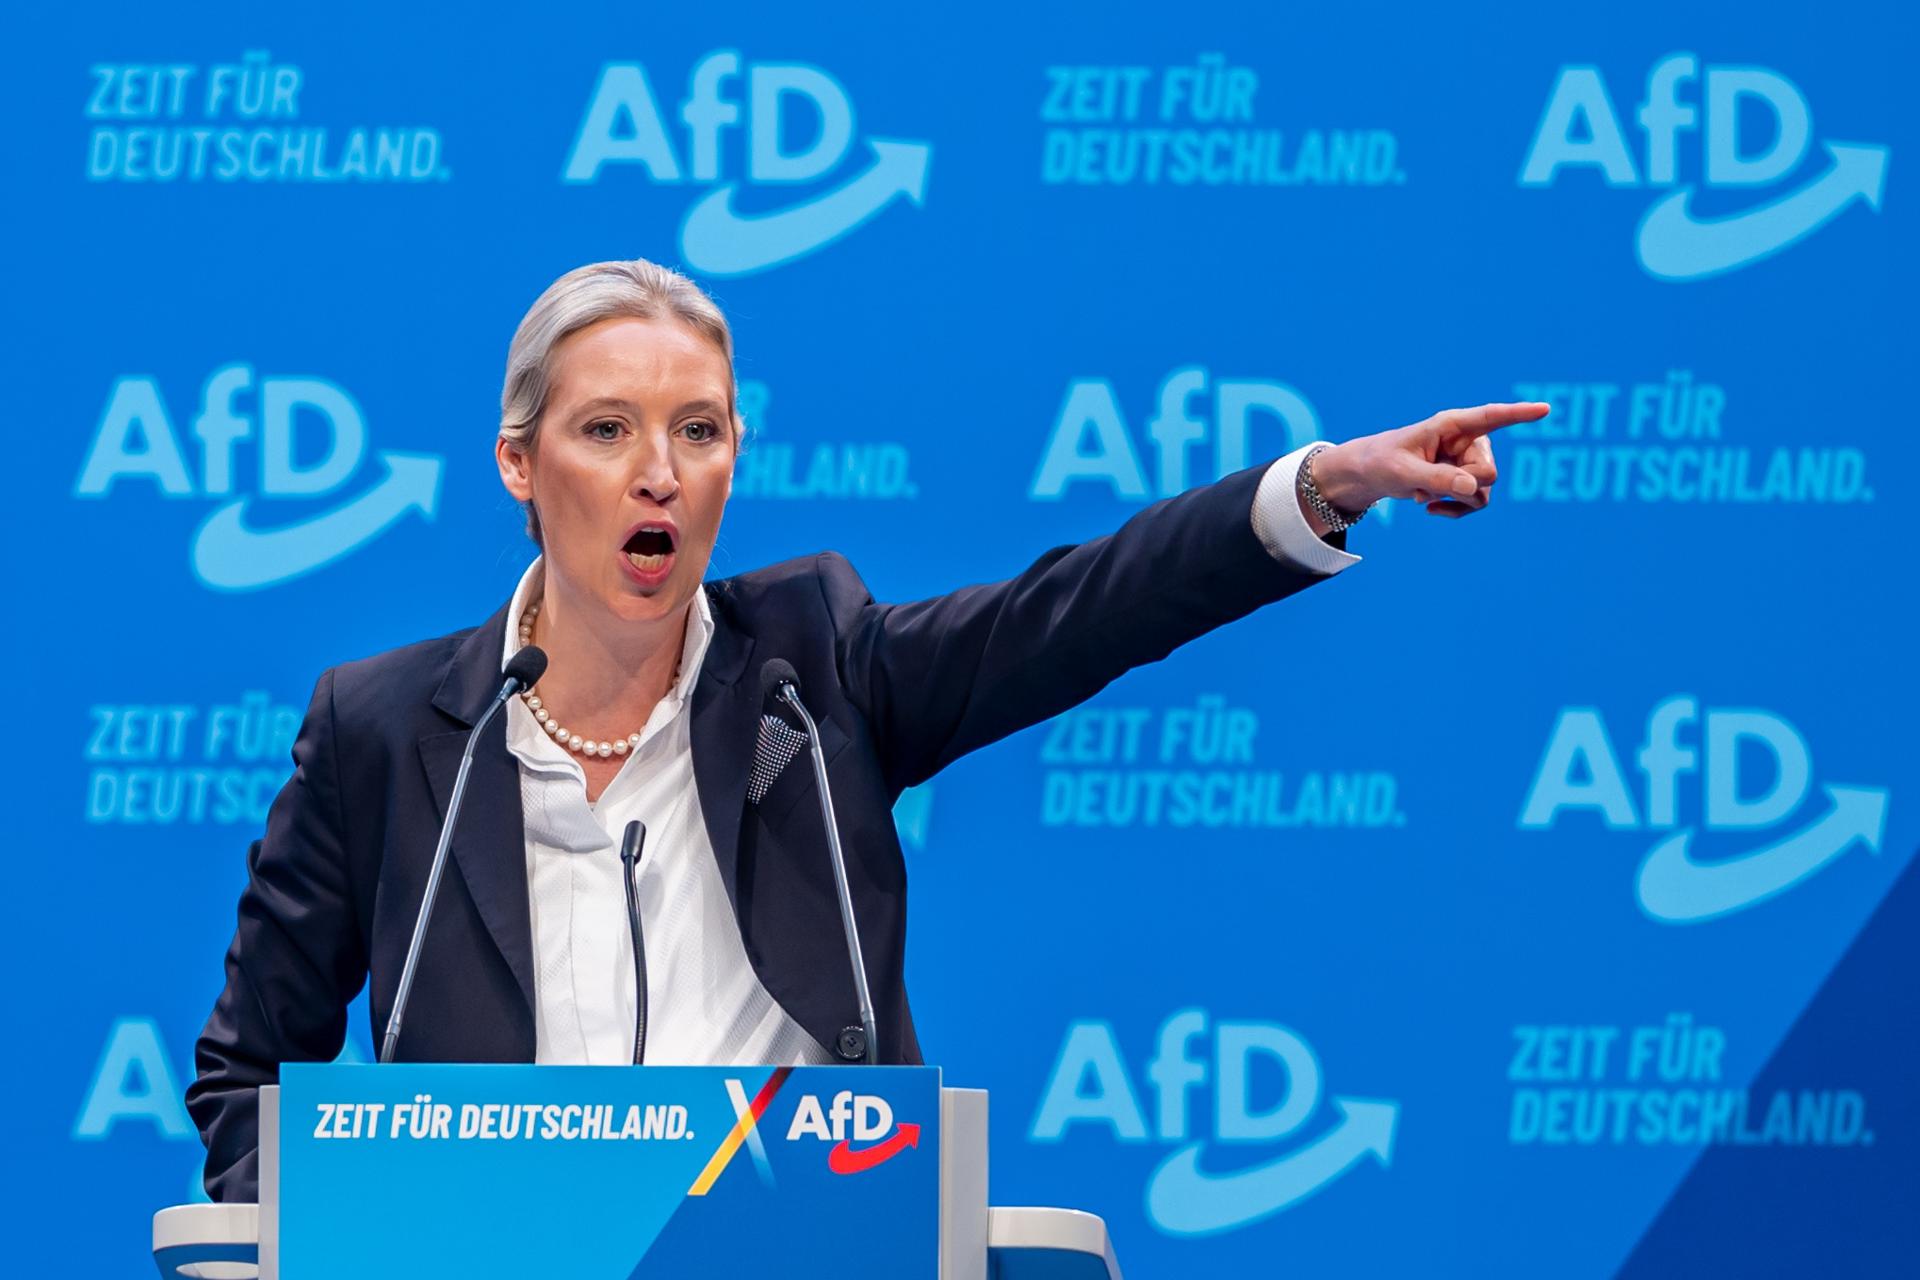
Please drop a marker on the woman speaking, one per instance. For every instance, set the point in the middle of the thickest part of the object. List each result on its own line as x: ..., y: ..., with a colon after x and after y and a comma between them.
x: 619, y: 431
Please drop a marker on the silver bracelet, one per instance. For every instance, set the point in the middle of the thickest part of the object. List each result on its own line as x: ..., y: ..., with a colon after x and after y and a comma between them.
x: 1338, y: 521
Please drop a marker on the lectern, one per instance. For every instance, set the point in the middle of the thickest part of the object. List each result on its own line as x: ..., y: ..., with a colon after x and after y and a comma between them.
x: 489, y: 1171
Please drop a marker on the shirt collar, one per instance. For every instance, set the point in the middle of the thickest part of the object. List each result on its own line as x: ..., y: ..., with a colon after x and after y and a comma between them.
x: 693, y: 651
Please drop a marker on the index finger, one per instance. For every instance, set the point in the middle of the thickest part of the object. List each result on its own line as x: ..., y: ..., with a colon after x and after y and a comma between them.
x: 1474, y: 423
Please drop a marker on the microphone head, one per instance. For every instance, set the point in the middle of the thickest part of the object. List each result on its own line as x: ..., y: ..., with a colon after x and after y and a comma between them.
x: 773, y: 673
x: 526, y: 666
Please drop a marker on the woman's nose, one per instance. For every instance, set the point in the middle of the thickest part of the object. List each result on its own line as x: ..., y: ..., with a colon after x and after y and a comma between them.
x: 653, y: 474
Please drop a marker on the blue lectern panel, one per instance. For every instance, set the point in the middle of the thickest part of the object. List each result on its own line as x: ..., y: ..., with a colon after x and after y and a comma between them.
x: 483, y: 1171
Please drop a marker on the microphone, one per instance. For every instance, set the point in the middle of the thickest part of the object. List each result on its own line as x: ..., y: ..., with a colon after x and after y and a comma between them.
x: 630, y: 842
x: 522, y: 671
x: 779, y: 681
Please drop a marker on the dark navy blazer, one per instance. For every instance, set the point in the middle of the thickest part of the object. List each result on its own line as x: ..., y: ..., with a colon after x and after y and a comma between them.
x: 900, y: 691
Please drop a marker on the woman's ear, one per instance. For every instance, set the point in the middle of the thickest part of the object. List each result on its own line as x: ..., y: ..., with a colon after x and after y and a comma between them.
x: 516, y: 471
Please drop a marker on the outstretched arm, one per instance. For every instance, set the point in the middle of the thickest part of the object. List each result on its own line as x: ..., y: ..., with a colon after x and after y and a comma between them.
x: 941, y: 677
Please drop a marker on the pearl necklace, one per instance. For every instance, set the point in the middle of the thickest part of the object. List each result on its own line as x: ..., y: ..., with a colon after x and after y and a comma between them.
x: 551, y: 723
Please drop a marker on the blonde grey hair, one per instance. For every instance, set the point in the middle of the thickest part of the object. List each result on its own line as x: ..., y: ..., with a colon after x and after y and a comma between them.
x: 587, y: 295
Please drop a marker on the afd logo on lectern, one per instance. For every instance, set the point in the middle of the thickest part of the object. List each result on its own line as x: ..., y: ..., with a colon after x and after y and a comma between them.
x: 1739, y: 130
x: 796, y: 124
x: 308, y: 437
x: 848, y: 1118
x: 1239, y: 1161
x: 1762, y: 845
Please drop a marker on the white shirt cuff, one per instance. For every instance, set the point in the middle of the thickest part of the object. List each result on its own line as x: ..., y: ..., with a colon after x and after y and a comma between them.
x: 1282, y: 527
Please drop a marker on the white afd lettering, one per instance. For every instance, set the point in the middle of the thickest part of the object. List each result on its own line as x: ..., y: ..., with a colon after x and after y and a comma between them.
x: 859, y: 1116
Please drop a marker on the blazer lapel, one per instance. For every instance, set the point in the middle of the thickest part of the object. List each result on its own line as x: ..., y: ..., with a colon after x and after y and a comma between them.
x: 489, y: 844
x: 726, y: 723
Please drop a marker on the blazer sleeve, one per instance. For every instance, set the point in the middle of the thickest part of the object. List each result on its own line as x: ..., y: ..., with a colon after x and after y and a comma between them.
x: 941, y: 677
x: 298, y: 957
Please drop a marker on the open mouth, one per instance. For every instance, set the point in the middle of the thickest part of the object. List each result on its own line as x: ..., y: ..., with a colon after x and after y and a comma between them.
x: 649, y: 548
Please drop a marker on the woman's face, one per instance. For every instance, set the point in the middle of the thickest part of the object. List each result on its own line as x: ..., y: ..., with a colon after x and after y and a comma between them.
x: 631, y: 466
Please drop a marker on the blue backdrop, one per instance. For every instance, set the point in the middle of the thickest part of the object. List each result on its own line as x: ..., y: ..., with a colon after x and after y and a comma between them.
x: 1534, y: 899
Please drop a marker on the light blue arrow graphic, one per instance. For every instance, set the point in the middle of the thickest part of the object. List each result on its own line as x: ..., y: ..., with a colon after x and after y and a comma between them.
x: 229, y: 556
x: 1676, y: 246
x: 1674, y: 889
x: 716, y: 241
x: 1187, y: 1200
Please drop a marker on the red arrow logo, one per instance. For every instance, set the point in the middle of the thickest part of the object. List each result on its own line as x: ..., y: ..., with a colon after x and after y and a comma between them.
x: 843, y: 1159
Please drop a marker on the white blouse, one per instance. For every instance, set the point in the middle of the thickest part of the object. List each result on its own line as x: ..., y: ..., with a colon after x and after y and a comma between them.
x: 705, y: 1004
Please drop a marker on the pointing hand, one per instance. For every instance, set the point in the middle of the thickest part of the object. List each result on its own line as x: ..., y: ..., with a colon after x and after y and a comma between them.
x: 1444, y: 462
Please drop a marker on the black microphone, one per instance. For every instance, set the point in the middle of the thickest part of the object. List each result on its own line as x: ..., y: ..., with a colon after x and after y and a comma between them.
x: 522, y: 671
x: 630, y: 842
x: 779, y: 681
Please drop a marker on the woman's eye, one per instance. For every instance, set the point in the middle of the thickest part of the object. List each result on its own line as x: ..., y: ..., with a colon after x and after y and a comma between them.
x: 604, y: 430
x: 699, y: 432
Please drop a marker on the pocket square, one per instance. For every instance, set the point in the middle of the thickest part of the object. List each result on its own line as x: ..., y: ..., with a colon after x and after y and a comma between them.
x: 778, y: 744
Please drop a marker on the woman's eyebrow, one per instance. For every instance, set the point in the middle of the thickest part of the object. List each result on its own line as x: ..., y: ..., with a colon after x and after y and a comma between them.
x: 615, y: 402
x: 600, y: 402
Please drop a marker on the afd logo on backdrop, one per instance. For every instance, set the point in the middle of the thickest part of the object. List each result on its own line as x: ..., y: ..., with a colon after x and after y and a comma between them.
x: 1770, y: 850
x: 1090, y: 445
x: 1243, y: 1179
x: 1752, y: 128
x: 309, y: 438
x: 798, y: 125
